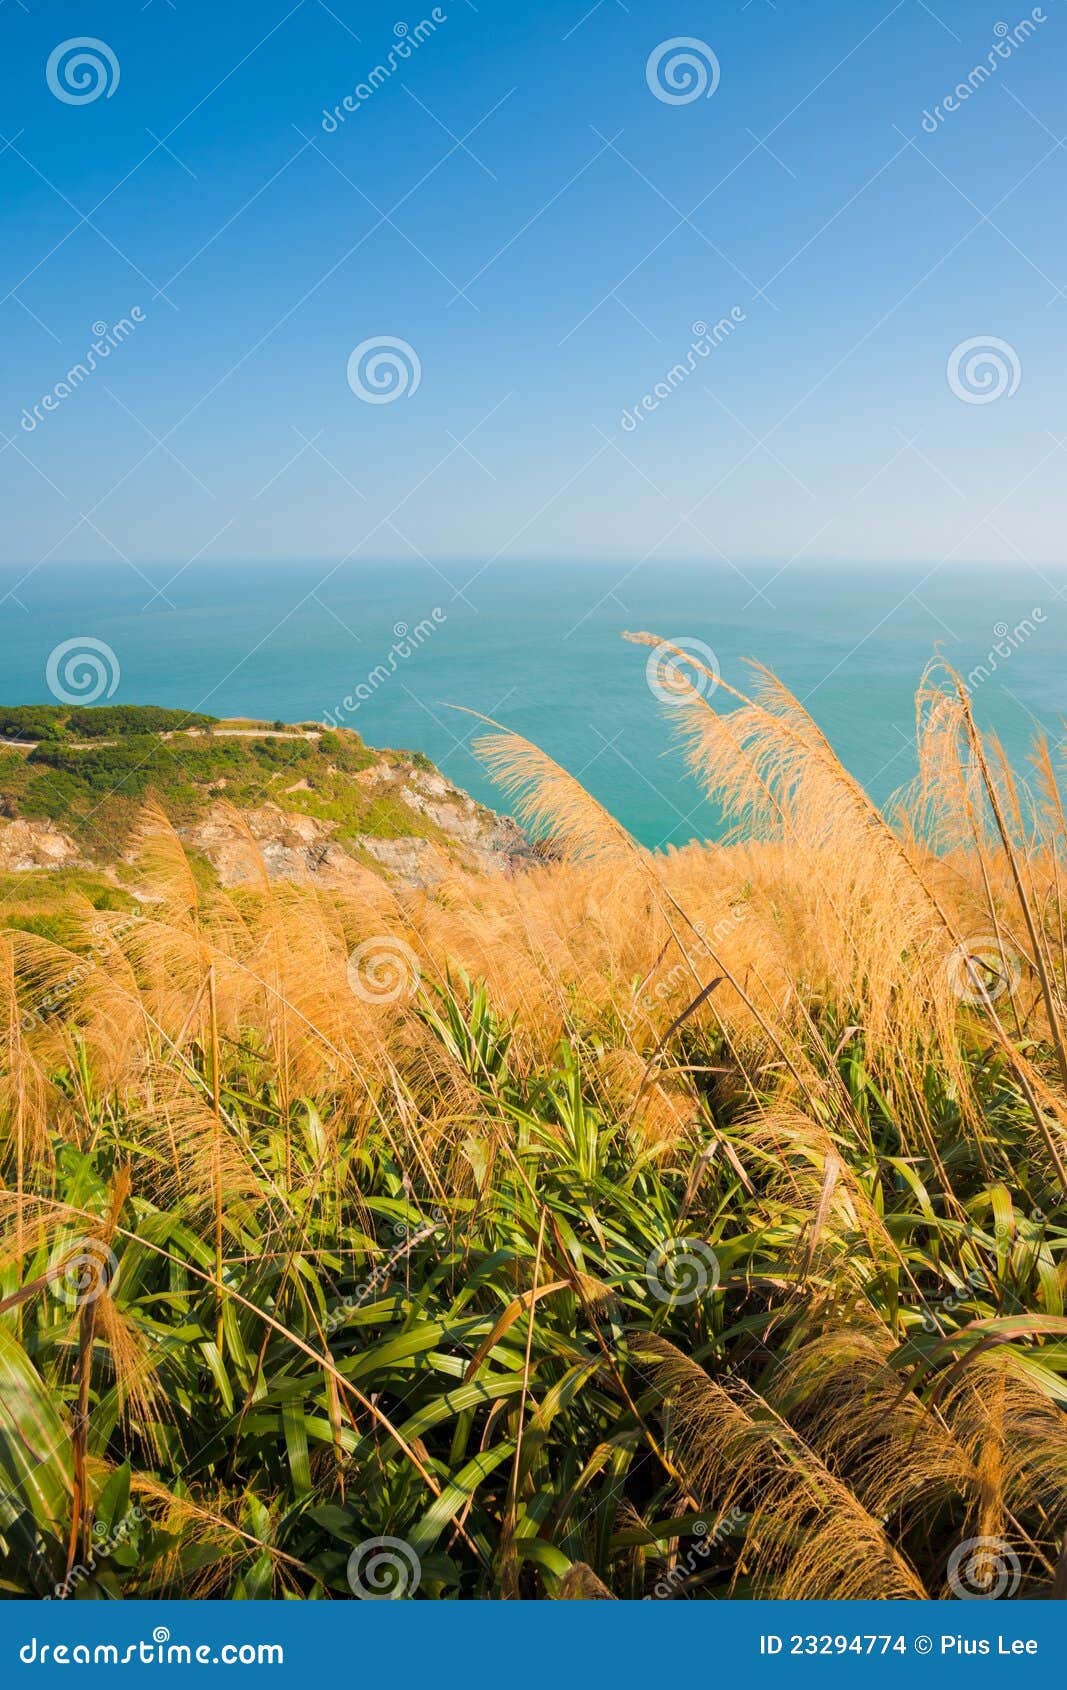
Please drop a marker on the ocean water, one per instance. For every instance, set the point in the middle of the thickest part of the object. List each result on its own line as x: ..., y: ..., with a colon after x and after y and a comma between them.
x: 537, y: 646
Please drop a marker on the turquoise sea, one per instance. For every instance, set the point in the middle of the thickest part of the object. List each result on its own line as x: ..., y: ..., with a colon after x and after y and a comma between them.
x: 537, y: 646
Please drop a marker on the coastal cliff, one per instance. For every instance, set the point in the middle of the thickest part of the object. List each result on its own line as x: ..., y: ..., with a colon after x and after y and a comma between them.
x: 299, y: 800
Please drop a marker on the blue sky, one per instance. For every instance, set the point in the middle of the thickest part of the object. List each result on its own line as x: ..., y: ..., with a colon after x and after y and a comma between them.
x: 518, y: 207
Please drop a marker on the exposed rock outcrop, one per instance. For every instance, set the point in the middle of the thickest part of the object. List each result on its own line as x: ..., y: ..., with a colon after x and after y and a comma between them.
x: 27, y: 845
x: 298, y: 847
x: 393, y: 815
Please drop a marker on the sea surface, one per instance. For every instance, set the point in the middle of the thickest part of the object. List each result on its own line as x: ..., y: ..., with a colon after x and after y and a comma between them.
x: 387, y: 648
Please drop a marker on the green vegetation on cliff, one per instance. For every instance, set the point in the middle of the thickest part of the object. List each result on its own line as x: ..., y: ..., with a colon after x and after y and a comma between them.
x: 89, y: 771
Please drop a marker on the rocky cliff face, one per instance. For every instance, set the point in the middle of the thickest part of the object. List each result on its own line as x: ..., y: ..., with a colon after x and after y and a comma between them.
x: 453, y: 832
x: 299, y: 800
x: 28, y: 845
x: 302, y: 848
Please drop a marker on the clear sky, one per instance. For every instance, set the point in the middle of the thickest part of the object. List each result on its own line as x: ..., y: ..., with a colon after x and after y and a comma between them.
x: 516, y: 202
